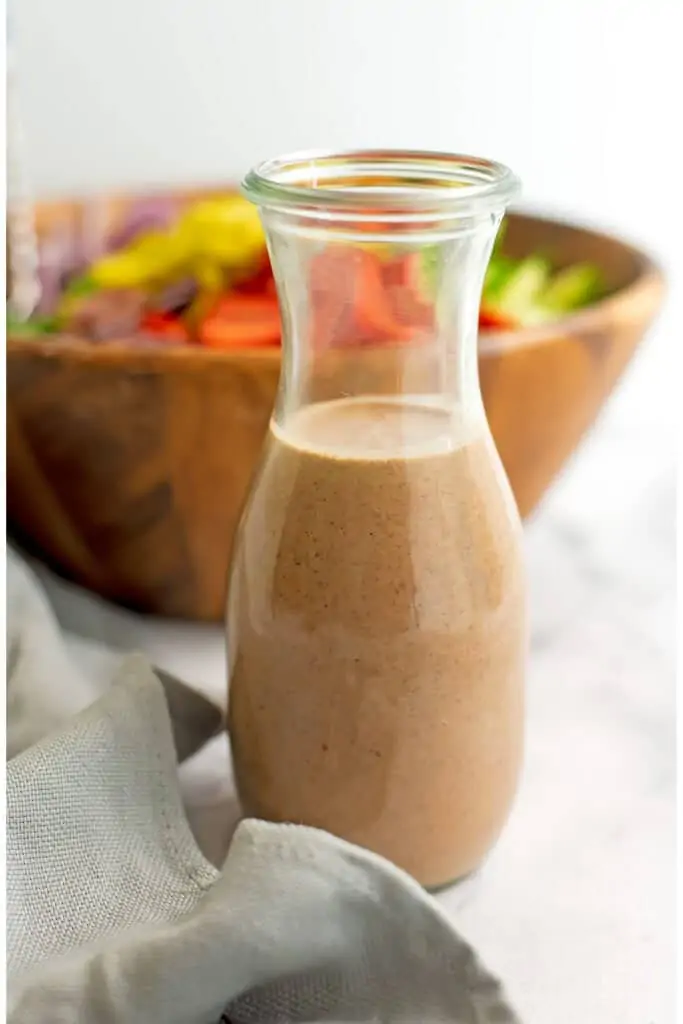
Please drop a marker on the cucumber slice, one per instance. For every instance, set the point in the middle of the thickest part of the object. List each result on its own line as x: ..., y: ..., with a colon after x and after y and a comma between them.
x: 498, y: 274
x: 500, y: 237
x: 519, y: 294
x: 573, y: 288
x: 35, y: 327
x: 428, y: 272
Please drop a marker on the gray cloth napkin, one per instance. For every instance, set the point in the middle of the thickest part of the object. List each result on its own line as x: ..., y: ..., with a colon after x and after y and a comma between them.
x: 114, y: 915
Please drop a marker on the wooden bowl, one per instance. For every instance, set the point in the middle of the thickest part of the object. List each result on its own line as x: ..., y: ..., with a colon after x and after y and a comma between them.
x: 127, y: 466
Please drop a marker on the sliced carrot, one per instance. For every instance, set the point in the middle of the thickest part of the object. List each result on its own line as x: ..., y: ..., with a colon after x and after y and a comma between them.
x: 330, y: 292
x: 402, y: 278
x: 401, y: 270
x: 241, y: 321
x: 350, y: 301
x: 410, y: 310
x: 373, y: 306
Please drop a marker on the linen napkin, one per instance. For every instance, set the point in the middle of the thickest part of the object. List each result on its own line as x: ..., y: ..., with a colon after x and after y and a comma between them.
x: 114, y: 914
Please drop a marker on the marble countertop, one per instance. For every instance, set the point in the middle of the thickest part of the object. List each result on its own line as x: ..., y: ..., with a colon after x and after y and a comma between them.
x: 575, y: 907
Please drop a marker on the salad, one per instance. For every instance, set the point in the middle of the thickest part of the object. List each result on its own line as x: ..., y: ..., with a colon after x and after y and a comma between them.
x: 199, y: 273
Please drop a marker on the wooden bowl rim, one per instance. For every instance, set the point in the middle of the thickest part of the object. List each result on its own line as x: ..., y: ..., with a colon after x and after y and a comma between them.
x: 645, y: 291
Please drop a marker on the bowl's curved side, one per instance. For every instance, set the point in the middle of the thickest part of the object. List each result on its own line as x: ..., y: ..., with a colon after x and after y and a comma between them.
x: 544, y: 389
x: 127, y: 466
x: 130, y: 480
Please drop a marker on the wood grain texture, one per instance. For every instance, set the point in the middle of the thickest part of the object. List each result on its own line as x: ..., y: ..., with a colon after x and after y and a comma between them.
x: 127, y: 467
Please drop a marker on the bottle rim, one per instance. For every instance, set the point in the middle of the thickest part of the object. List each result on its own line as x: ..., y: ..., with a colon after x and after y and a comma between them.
x: 371, y: 184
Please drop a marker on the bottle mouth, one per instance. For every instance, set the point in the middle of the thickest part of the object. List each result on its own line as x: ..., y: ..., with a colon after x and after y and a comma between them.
x: 363, y: 184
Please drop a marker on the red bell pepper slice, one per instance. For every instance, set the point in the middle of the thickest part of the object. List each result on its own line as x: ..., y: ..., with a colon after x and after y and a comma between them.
x: 241, y: 321
x: 491, y: 319
x: 165, y: 327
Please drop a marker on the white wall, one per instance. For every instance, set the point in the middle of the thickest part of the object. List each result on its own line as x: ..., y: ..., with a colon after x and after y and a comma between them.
x: 570, y: 92
x: 576, y: 95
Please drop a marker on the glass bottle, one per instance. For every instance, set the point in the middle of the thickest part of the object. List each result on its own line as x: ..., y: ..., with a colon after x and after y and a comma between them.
x: 376, y: 620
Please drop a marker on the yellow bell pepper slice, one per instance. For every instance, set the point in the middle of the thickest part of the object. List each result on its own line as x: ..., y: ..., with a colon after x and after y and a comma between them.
x: 214, y: 240
x: 152, y: 257
x: 225, y: 231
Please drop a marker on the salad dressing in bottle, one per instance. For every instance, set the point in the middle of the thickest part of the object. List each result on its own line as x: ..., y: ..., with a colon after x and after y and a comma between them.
x: 376, y: 612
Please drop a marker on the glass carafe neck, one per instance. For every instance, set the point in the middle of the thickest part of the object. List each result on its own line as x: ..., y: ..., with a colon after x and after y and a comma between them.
x: 379, y: 261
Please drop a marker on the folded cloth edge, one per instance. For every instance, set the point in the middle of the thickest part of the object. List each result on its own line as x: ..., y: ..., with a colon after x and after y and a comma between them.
x: 135, y: 681
x: 227, y: 974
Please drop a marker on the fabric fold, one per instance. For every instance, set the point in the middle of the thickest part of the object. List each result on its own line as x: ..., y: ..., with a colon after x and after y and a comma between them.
x: 114, y: 914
